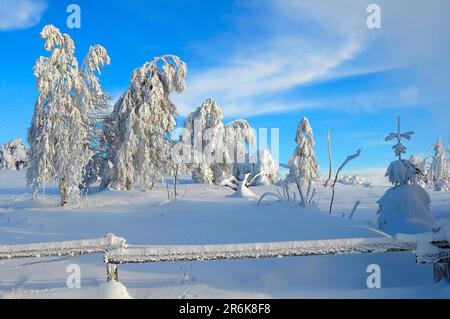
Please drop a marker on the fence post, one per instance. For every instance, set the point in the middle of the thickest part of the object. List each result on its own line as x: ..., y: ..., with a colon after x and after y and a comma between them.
x: 112, y: 272
x: 441, y: 271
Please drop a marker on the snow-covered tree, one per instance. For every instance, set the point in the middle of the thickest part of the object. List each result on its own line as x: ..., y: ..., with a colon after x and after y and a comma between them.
x: 13, y: 155
x: 303, y: 167
x: 141, y: 123
x: 399, y: 148
x: 422, y: 169
x: 304, y: 157
x: 216, y: 148
x: 60, y: 128
x: 406, y: 206
x: 439, y: 173
x: 99, y: 111
x: 206, y: 140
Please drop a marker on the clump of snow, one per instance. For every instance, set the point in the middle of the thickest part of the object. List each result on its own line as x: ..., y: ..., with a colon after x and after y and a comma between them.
x: 405, y: 209
x: 240, y: 187
x: 113, y: 290
x: 243, y: 192
x: 401, y: 172
x: 13, y: 155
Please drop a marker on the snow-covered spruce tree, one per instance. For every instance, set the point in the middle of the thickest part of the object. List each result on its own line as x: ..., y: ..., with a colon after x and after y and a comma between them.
x: 60, y: 128
x: 439, y: 173
x: 422, y: 169
x: 303, y: 164
x: 404, y: 208
x: 142, y: 121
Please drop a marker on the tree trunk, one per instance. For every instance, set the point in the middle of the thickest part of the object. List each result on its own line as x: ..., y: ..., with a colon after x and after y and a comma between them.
x: 63, y: 191
x: 330, y: 159
x: 441, y: 271
x: 175, y: 180
x: 112, y: 273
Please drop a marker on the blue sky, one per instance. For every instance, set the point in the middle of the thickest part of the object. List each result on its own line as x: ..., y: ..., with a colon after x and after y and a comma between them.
x: 268, y: 61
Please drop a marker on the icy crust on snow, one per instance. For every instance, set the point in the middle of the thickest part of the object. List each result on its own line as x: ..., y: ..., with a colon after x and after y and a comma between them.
x: 65, y: 248
x: 142, y: 254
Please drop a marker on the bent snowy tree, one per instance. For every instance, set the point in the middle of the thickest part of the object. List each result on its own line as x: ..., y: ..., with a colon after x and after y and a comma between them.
x: 60, y: 127
x: 141, y: 123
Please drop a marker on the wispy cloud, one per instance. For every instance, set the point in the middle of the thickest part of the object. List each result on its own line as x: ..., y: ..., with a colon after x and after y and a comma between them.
x: 301, y: 43
x: 20, y: 14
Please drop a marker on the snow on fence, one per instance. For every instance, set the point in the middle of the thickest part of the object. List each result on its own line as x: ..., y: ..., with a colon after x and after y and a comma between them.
x: 116, y: 251
x: 65, y: 248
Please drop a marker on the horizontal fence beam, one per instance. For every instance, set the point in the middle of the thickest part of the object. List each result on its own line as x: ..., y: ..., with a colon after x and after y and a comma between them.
x: 65, y: 248
x: 149, y: 254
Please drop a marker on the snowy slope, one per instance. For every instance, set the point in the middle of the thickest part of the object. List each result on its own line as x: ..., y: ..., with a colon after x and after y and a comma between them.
x: 203, y: 215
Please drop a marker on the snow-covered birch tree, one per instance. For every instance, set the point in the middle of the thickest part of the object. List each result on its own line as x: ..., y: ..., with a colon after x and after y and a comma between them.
x: 206, y: 134
x: 142, y: 121
x: 60, y: 128
x: 216, y: 148
x: 99, y: 108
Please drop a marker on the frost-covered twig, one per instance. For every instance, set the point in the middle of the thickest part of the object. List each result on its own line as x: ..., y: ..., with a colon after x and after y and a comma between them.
x: 355, y: 207
x: 349, y: 158
x: 269, y: 194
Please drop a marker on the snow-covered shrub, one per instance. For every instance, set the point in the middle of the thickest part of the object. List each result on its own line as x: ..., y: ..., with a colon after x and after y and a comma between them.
x: 241, y: 187
x: 60, y: 129
x: 141, y: 123
x: 13, y: 155
x: 439, y: 173
x: 405, y: 208
x: 353, y: 180
x: 261, y: 163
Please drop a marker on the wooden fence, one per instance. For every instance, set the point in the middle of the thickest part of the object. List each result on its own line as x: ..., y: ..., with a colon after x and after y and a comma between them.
x: 116, y: 251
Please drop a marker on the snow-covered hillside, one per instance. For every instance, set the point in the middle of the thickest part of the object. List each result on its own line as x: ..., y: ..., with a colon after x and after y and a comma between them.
x: 204, y: 215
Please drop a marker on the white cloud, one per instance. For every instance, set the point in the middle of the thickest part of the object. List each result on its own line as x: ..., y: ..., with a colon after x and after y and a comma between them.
x: 20, y: 14
x: 410, y: 94
x: 300, y: 42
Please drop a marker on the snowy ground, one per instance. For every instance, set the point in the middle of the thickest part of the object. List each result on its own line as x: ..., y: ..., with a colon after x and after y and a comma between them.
x: 204, y: 215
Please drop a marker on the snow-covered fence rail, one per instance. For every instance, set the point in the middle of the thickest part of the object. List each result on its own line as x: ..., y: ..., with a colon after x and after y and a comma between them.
x: 151, y: 254
x: 428, y: 250
x: 65, y: 248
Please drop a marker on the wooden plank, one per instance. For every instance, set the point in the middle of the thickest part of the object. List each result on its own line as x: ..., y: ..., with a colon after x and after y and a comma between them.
x: 148, y: 254
x: 65, y: 248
